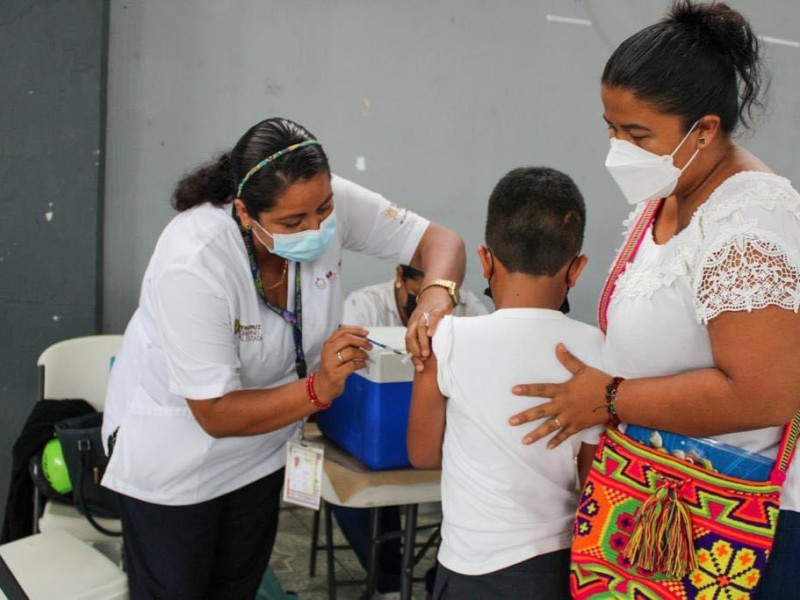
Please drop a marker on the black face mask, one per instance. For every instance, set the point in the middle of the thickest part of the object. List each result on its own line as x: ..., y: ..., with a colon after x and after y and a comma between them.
x: 488, y: 291
x: 564, y: 308
x: 410, y: 305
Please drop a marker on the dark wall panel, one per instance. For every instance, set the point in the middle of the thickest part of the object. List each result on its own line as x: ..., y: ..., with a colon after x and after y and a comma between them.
x: 52, y: 113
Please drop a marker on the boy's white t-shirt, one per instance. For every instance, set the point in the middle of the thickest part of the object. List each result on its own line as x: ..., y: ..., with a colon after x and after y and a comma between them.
x: 201, y: 331
x: 504, y: 502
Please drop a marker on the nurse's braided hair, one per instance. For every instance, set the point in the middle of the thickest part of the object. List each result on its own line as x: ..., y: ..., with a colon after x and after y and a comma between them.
x: 216, y: 182
x: 699, y: 59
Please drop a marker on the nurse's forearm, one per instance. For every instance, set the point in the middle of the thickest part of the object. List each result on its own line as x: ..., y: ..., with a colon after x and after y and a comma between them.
x: 440, y: 254
x: 252, y: 412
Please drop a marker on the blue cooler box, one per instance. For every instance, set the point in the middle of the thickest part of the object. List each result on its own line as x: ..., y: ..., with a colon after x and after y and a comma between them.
x: 370, y: 418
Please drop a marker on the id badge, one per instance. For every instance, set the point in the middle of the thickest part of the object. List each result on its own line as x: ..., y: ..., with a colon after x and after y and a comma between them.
x: 303, y: 482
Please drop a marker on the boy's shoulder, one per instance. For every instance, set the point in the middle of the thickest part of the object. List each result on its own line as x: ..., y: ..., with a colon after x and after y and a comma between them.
x: 536, y: 328
x: 530, y: 314
x: 585, y: 327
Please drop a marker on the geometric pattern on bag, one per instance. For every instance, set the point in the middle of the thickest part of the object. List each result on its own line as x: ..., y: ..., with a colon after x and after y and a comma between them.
x: 733, y: 523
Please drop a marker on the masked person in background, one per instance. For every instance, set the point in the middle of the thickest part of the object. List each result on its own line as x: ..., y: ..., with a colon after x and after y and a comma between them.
x: 235, y: 341
x: 703, y: 330
x: 388, y: 304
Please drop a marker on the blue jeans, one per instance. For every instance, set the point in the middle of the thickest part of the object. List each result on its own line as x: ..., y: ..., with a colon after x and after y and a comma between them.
x: 354, y: 523
x: 782, y: 575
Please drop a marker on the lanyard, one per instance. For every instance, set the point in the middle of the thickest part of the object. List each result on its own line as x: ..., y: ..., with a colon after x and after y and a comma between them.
x: 295, y: 319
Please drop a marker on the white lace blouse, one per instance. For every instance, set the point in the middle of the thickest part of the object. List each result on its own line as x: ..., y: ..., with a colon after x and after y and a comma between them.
x: 740, y: 251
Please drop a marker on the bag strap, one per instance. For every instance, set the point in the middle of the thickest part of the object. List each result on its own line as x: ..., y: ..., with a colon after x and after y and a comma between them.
x: 625, y: 256
x: 85, y: 447
x: 785, y: 450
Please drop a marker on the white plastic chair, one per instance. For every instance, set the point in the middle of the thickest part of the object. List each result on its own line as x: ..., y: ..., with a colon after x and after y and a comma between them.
x: 76, y: 368
x: 56, y: 564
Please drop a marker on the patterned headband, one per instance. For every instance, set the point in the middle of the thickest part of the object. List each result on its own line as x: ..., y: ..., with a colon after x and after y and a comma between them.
x: 270, y: 159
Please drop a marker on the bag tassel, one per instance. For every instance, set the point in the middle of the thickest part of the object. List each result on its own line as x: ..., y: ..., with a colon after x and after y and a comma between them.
x: 661, y: 540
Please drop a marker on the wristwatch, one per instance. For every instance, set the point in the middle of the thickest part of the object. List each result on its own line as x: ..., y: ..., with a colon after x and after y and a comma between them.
x: 450, y: 286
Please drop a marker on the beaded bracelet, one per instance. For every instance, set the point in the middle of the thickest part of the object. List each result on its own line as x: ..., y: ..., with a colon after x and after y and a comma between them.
x: 611, y: 400
x: 312, y: 395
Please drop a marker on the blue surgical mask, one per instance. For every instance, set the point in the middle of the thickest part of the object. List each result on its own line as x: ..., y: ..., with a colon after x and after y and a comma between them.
x: 303, y: 246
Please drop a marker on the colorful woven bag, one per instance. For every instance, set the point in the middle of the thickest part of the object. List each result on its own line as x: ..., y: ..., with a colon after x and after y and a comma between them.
x: 652, y: 526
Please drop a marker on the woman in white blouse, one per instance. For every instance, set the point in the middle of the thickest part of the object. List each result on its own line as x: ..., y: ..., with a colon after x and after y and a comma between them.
x: 235, y: 341
x: 703, y: 324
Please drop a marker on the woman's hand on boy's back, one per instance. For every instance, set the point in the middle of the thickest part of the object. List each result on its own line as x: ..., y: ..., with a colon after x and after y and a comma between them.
x: 575, y: 405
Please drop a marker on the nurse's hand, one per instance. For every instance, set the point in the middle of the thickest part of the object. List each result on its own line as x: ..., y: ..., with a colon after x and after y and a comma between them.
x: 434, y: 304
x: 342, y: 354
x: 574, y: 405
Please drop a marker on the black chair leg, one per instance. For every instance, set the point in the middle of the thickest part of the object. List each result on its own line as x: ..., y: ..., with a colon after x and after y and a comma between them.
x: 329, y: 552
x: 312, y: 559
x: 409, y: 540
x: 374, y: 563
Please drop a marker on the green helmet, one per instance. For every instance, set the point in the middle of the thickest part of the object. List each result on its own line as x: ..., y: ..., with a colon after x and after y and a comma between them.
x: 54, y: 467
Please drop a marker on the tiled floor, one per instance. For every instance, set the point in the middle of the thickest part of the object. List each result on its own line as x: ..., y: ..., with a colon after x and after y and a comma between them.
x: 290, y: 558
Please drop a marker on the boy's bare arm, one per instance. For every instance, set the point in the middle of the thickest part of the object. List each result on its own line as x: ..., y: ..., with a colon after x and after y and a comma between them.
x: 585, y: 457
x: 426, y: 419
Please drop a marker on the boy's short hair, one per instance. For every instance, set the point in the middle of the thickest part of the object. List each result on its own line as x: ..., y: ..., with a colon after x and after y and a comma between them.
x: 535, y: 221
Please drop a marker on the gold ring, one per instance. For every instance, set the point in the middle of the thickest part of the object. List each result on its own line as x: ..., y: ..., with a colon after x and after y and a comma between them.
x: 339, y: 356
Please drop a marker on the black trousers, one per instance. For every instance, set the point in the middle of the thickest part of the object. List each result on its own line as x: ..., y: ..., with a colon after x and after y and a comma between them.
x: 544, y: 577
x: 214, y: 549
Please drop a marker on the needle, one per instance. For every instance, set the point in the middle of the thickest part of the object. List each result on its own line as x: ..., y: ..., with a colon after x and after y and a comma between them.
x: 381, y: 345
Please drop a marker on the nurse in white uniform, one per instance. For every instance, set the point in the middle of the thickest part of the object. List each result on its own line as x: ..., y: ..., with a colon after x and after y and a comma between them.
x: 236, y: 341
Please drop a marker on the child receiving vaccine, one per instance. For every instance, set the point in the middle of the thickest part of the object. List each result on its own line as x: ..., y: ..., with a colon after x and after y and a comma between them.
x: 508, y: 507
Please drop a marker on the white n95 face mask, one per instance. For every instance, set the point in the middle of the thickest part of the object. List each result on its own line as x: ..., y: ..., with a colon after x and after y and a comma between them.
x: 643, y: 175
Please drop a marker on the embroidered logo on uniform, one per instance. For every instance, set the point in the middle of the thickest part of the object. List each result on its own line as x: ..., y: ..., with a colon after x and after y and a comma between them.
x: 396, y: 213
x: 322, y: 282
x: 248, y: 333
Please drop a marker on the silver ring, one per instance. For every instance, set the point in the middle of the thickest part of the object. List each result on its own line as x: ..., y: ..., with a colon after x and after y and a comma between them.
x: 427, y: 318
x: 339, y: 356
x: 558, y: 423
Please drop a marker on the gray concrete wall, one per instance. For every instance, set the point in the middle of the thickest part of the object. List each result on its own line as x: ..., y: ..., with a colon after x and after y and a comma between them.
x: 51, y: 121
x: 440, y: 98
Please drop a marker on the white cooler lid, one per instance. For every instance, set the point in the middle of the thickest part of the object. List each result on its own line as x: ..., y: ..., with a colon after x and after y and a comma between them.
x: 384, y: 365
